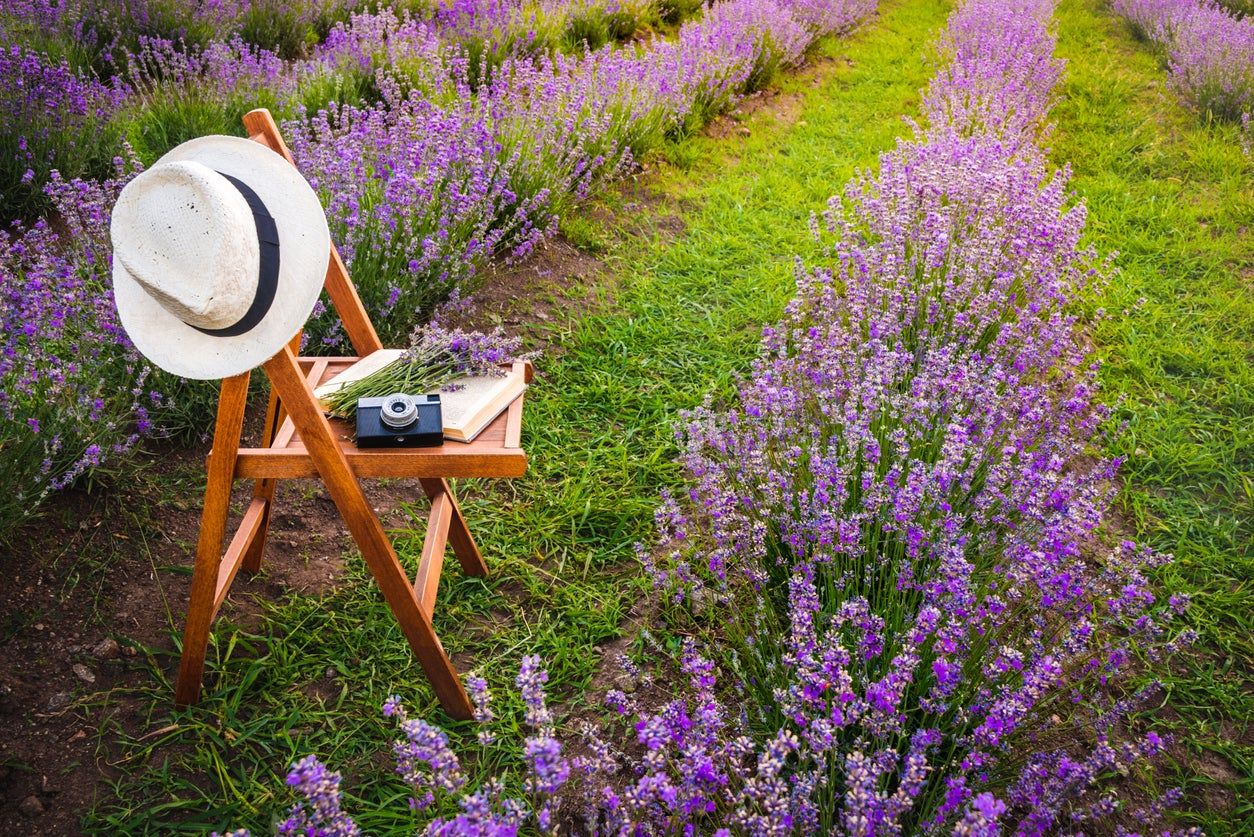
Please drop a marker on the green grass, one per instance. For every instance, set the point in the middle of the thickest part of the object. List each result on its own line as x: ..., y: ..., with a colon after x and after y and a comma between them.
x: 1175, y: 197
x: 682, y: 319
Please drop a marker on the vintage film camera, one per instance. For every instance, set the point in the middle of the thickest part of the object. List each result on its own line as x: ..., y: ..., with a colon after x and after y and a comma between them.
x: 399, y: 421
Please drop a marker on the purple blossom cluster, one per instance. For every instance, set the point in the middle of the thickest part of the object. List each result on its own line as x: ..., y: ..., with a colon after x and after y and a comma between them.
x: 370, y: 41
x: 320, y: 810
x: 220, y: 69
x: 433, y: 772
x: 1209, y: 50
x: 54, y: 118
x: 73, y: 391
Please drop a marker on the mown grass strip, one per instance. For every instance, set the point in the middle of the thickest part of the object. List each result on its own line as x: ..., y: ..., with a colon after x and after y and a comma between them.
x: 683, y: 321
x: 1175, y: 197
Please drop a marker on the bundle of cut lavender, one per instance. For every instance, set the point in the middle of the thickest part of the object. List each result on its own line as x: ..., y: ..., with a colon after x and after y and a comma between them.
x: 435, y: 357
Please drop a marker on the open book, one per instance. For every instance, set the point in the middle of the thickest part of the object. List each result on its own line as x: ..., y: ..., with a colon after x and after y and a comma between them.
x: 466, y: 410
x: 476, y: 401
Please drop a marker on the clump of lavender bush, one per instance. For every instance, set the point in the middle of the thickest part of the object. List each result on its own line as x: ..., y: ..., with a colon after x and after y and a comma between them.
x: 1208, y: 49
x: 1212, y: 61
x: 182, y: 92
x: 55, y: 118
x: 74, y: 393
x: 419, y: 200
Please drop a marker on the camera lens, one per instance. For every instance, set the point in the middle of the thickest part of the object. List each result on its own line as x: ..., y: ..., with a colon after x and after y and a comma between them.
x: 399, y: 411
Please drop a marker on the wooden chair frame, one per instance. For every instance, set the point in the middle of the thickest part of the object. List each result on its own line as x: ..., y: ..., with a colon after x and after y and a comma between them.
x: 299, y: 441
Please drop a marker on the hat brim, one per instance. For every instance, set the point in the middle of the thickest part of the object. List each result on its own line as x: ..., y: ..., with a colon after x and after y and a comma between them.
x: 304, y: 250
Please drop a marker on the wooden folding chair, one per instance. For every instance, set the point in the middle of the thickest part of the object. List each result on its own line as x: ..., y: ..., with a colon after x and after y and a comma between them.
x: 299, y: 441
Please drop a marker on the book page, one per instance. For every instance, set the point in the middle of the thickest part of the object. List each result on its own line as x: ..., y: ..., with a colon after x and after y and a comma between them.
x: 461, y: 406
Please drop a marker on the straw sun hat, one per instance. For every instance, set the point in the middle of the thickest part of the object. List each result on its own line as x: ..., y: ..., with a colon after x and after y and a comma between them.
x: 219, y: 253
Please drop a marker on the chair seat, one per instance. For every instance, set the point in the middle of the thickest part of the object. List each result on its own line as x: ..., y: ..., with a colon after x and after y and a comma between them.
x: 494, y: 453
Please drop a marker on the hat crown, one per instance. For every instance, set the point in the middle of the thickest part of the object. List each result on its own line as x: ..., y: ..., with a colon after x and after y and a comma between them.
x: 188, y: 237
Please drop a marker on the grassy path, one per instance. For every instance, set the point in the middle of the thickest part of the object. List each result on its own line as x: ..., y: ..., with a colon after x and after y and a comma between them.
x: 684, y: 319
x: 1176, y: 198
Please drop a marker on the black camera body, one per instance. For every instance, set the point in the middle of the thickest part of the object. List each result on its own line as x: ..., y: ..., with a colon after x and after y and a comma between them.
x: 400, y: 421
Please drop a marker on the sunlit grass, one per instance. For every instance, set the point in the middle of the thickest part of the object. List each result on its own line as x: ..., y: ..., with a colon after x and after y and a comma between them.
x: 1175, y: 197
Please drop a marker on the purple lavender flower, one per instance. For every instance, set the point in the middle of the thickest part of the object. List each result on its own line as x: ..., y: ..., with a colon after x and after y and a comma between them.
x: 423, y: 758
x: 73, y: 392
x: 1209, y: 50
x: 56, y: 118
x: 530, y: 682
x: 320, y: 812
x: 477, y: 688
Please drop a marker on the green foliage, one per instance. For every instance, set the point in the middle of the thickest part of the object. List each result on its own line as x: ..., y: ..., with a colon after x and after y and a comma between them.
x: 1175, y: 199
x: 279, y: 27
x: 162, y: 123
x: 1240, y: 7
x: 590, y: 29
x: 169, y: 114
x: 594, y: 26
x: 673, y: 11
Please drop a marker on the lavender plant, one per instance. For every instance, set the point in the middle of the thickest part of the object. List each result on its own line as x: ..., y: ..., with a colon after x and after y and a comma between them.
x: 1208, y: 49
x: 74, y: 394
x: 418, y: 199
x: 1212, y: 61
x: 899, y: 519
x: 55, y: 119
x: 182, y: 92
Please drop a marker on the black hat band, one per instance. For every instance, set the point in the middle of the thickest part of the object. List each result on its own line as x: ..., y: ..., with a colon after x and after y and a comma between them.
x: 268, y: 265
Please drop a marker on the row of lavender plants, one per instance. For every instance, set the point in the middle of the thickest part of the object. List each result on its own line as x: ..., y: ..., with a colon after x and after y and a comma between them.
x: 423, y: 189
x: 1209, y: 51
x: 898, y: 529
x: 77, y: 77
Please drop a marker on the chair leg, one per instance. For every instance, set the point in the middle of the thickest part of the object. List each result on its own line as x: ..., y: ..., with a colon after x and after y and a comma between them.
x: 464, y: 546
x: 264, y: 489
x: 367, y: 531
x: 221, y: 471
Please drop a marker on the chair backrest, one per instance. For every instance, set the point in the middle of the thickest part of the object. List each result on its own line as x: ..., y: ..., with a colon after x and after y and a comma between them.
x: 262, y: 128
